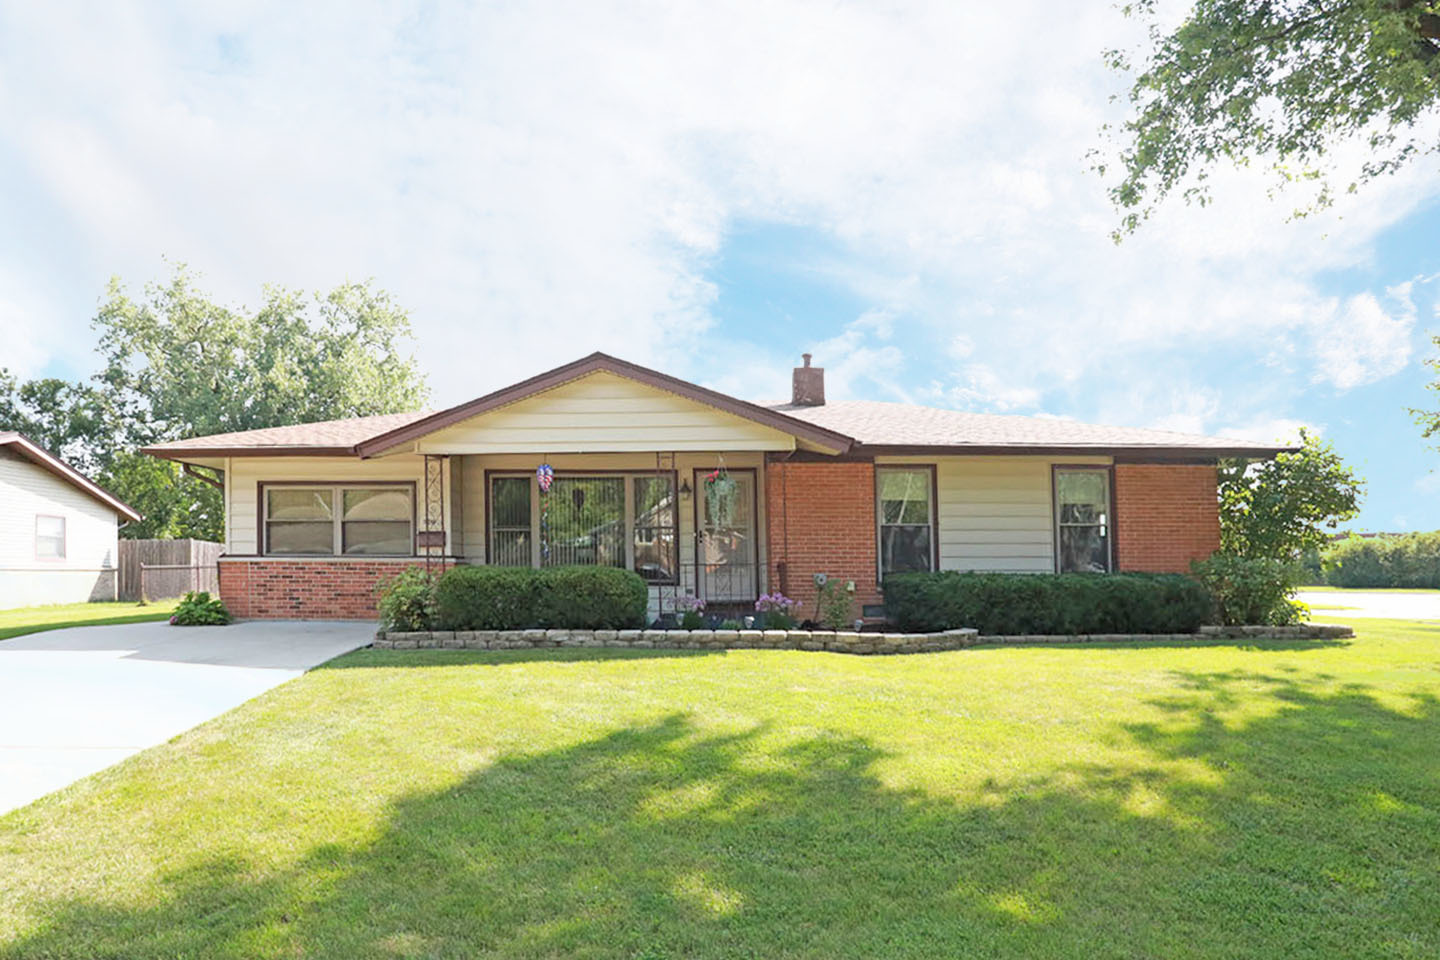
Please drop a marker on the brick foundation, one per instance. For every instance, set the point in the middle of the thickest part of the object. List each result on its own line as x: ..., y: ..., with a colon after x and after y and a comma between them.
x: 317, y: 589
x: 820, y: 518
x: 1166, y: 515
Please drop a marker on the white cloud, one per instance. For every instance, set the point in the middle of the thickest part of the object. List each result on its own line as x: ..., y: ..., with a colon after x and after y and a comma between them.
x: 1362, y: 342
x: 982, y: 388
x: 537, y: 181
x: 1282, y: 430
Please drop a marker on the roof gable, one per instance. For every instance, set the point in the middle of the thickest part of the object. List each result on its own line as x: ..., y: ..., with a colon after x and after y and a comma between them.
x: 47, y: 461
x: 602, y: 412
x: 803, y: 432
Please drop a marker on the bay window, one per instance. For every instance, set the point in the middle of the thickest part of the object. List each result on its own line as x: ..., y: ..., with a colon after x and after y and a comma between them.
x: 905, y: 512
x: 616, y: 520
x: 339, y: 521
x: 1082, y: 519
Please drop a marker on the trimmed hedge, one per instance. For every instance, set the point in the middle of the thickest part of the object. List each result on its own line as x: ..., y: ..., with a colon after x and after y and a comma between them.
x: 518, y: 598
x: 1409, y: 560
x: 1066, y: 603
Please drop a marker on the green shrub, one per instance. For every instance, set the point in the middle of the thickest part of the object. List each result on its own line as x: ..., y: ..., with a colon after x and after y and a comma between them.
x: 1066, y: 603
x: 515, y: 598
x: 1252, y: 590
x: 593, y: 598
x: 1409, y: 560
x: 835, y: 603
x: 407, y: 602
x: 200, y: 610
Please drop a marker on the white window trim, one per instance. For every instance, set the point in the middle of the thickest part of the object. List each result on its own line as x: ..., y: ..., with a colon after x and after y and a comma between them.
x: 337, y: 518
x: 629, y: 506
x: 64, y: 537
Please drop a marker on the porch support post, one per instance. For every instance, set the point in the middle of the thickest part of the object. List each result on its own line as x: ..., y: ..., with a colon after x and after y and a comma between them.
x: 433, y: 519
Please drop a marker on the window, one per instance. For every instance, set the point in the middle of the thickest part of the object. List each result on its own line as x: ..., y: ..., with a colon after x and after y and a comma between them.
x: 626, y: 521
x: 585, y: 523
x: 1082, y: 520
x: 907, y: 519
x: 510, y: 522
x: 50, y: 538
x: 369, y: 521
x: 375, y: 521
x: 654, y: 536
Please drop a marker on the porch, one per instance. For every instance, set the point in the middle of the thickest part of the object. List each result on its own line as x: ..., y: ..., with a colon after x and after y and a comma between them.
x: 691, y: 524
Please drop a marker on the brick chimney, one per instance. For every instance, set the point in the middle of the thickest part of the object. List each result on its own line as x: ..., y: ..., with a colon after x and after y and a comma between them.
x: 808, y: 385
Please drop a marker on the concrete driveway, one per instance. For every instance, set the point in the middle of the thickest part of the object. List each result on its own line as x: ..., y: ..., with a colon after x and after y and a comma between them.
x: 75, y: 701
x: 1371, y: 603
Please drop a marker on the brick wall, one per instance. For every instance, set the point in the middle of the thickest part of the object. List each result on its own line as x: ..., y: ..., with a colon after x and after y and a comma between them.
x: 304, y: 589
x: 1165, y: 516
x: 821, y: 519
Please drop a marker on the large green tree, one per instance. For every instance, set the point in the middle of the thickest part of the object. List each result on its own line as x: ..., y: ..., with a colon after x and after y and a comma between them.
x: 176, y: 363
x: 1281, y: 508
x: 1282, y: 82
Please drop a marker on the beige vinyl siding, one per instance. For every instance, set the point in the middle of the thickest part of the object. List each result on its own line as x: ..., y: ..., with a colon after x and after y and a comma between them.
x: 996, y: 513
x: 246, y: 473
x: 685, y: 465
x: 91, y: 539
x: 604, y: 413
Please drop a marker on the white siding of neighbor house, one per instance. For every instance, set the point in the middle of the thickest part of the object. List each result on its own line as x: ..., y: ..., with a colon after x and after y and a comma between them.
x: 604, y: 413
x: 91, y: 547
x: 996, y: 513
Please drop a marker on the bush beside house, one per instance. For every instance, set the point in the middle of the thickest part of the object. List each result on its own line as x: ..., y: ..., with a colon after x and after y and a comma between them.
x: 1067, y: 603
x: 199, y: 609
x: 1252, y: 590
x: 510, y: 598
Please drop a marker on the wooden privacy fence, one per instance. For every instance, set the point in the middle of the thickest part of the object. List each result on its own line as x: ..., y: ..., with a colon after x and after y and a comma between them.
x: 157, y: 569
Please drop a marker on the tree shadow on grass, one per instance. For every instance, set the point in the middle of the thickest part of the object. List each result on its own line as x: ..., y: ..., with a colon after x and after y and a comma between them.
x: 1307, y: 830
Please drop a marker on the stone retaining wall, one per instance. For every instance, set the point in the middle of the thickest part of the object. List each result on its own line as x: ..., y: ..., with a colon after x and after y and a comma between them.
x: 838, y: 642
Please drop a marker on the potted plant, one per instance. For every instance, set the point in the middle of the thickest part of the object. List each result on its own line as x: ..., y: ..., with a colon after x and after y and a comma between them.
x: 721, y: 491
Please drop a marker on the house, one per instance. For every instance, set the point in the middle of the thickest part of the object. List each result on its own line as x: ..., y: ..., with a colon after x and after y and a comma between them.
x: 58, y: 530
x: 699, y: 492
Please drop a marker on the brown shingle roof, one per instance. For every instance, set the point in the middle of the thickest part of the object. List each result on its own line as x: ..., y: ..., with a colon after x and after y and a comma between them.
x: 878, y: 424
x: 874, y: 426
x: 336, y: 436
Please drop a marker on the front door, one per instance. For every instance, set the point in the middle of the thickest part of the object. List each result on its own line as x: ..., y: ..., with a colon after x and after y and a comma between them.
x: 726, y: 553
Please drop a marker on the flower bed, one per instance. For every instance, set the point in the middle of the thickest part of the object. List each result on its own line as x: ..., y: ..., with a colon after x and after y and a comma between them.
x: 837, y: 641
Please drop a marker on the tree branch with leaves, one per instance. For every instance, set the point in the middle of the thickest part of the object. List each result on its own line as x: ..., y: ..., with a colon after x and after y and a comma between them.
x: 1280, y: 82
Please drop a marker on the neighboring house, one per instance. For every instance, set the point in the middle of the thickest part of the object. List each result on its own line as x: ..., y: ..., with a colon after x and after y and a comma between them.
x: 318, y: 515
x: 58, y: 530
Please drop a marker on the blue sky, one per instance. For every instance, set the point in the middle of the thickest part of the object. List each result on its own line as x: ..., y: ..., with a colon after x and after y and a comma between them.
x: 901, y: 190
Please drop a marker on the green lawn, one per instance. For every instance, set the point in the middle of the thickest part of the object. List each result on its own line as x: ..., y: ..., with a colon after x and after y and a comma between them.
x: 1277, y: 799
x: 23, y: 620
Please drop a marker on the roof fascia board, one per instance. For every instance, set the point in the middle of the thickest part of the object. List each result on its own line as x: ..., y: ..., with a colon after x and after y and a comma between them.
x: 1153, y: 453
